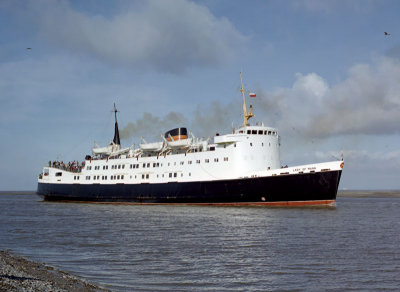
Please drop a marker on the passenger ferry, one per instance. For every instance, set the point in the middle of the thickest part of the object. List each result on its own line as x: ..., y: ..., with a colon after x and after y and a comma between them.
x: 238, y: 168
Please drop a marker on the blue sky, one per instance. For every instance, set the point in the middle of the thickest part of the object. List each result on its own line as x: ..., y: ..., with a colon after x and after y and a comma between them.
x: 324, y: 72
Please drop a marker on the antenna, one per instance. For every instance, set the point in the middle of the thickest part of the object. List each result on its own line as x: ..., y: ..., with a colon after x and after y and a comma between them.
x: 115, y: 112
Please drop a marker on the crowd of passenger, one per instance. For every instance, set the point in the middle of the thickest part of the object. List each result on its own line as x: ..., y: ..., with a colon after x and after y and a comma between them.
x: 73, y: 166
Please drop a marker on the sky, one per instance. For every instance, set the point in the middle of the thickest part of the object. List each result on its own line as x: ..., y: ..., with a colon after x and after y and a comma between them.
x: 325, y: 74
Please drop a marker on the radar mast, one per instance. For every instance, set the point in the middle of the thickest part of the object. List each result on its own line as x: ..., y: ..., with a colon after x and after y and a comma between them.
x: 246, y: 116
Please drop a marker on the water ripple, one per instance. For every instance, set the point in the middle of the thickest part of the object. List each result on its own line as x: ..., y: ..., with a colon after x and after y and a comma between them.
x: 183, y: 248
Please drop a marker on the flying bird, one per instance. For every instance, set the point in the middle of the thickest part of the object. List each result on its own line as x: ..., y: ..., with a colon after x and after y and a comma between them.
x: 29, y: 48
x: 386, y: 33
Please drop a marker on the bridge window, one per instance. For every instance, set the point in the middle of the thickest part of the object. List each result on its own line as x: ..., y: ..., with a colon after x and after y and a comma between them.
x: 260, y: 132
x: 254, y: 132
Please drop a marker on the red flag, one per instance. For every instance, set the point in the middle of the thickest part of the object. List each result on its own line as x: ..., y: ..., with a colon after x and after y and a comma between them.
x: 252, y: 94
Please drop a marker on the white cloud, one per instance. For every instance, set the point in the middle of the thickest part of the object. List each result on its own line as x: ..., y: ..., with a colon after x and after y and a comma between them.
x: 167, y: 36
x: 367, y: 102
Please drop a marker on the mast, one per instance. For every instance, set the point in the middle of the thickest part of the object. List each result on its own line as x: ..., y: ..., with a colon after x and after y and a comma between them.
x: 116, y: 131
x: 246, y: 116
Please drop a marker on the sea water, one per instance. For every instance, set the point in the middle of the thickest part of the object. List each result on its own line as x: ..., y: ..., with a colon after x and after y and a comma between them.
x: 353, y: 246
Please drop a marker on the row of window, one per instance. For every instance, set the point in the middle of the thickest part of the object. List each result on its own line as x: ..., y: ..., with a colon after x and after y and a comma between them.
x: 148, y: 165
x: 119, y: 166
x: 103, y: 177
x: 105, y: 167
x: 259, y: 132
x: 119, y: 177
x: 262, y: 144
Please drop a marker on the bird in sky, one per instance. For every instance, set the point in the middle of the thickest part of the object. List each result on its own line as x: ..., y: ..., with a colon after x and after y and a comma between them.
x: 386, y: 33
x: 29, y: 48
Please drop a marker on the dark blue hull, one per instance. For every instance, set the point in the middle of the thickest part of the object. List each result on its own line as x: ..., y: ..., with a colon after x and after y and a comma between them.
x: 320, y: 186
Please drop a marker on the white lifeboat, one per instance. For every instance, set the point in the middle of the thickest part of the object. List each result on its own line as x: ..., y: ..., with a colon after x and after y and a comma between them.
x: 152, y: 147
x: 179, y: 144
x: 105, y: 150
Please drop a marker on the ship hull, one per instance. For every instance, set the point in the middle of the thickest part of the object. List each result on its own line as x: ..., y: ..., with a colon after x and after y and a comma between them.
x: 292, y: 189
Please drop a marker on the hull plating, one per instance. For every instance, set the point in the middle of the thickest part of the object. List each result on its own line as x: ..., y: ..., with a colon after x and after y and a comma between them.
x: 300, y: 189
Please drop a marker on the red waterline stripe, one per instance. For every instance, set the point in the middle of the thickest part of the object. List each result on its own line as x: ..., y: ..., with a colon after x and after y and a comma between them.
x: 280, y: 204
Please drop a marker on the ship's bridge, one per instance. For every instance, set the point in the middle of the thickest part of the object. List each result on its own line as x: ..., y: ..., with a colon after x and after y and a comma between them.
x: 258, y: 130
x: 243, y: 132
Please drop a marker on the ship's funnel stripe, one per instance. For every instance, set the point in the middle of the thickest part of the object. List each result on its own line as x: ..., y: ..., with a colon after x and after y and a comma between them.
x: 176, y: 137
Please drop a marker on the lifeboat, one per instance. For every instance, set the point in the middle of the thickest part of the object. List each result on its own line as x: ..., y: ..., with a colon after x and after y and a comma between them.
x: 108, y: 150
x: 152, y: 147
x: 179, y: 144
